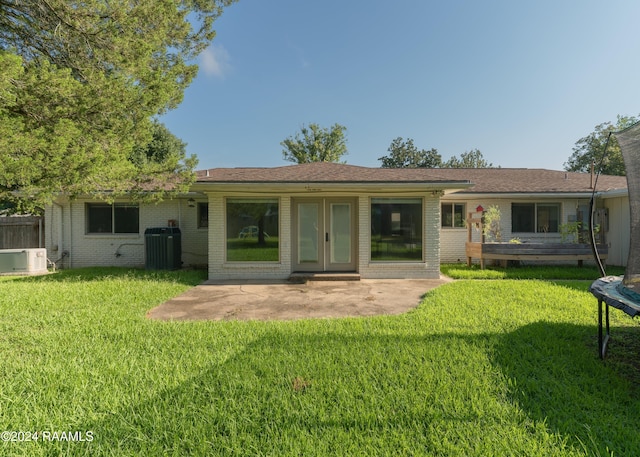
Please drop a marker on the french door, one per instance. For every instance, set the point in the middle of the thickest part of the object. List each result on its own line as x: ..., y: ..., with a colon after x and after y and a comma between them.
x: 324, y: 234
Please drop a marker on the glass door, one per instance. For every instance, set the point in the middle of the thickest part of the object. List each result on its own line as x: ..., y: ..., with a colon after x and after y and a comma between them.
x: 309, y: 233
x: 324, y: 235
x: 339, y: 236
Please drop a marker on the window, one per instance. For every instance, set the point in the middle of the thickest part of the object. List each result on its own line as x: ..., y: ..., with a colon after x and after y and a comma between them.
x: 116, y: 218
x: 396, y: 229
x: 203, y: 215
x: 535, y: 217
x: 453, y: 215
x: 252, y: 230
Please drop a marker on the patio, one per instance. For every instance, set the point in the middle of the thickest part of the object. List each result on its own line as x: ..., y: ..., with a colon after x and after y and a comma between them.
x: 246, y: 300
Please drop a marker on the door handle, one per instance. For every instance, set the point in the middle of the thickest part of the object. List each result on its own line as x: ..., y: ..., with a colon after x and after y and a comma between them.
x: 326, y: 236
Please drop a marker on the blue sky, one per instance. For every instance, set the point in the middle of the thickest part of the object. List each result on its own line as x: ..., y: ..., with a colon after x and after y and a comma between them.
x: 521, y: 81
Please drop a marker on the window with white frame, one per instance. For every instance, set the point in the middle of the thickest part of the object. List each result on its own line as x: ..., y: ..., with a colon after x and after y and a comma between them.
x: 453, y: 215
x: 535, y: 217
x: 112, y: 218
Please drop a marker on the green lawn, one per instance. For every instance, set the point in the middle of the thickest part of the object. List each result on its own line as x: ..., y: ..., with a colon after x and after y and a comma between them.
x: 248, y: 250
x: 481, y: 368
x: 461, y: 271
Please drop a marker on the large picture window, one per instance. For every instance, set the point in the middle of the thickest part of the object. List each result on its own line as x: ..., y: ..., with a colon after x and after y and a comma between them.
x: 535, y: 217
x: 116, y: 218
x: 252, y: 230
x: 396, y: 229
x: 453, y: 215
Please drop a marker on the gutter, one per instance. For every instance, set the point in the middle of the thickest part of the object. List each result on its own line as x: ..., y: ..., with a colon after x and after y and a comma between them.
x: 615, y: 193
x: 521, y: 195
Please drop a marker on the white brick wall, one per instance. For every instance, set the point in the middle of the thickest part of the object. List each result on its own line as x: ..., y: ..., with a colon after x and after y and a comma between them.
x: 428, y: 269
x: 66, y: 231
x: 454, y: 239
x: 221, y: 270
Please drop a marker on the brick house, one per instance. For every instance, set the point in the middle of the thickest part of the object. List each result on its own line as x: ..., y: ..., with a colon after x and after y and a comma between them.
x: 267, y: 223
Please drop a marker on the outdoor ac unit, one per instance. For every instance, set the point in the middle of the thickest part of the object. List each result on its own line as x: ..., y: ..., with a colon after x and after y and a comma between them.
x: 23, y: 261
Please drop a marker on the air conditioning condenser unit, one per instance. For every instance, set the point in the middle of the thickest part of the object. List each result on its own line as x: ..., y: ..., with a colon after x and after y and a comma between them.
x: 23, y: 261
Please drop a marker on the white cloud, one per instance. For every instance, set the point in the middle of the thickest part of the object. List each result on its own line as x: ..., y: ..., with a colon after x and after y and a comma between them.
x: 214, y: 61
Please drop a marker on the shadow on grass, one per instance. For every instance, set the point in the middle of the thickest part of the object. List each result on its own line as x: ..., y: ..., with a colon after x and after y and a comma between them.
x: 559, y: 379
x: 188, y: 277
x: 335, y: 394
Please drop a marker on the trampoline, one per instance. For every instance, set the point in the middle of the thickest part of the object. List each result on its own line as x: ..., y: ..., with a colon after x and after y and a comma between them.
x: 621, y: 292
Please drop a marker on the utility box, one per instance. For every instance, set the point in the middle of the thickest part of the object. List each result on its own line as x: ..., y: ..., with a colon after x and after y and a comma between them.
x: 163, y: 248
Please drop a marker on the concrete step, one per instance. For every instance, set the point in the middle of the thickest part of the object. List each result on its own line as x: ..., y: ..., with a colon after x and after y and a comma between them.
x: 310, y: 276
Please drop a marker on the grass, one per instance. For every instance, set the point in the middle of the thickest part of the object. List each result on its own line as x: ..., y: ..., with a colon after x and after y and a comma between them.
x: 248, y: 250
x: 391, y: 248
x: 481, y: 368
x: 462, y: 271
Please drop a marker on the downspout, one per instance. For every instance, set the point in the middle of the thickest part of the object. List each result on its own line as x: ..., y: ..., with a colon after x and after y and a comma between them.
x: 60, y: 248
x: 70, y: 233
x: 60, y: 227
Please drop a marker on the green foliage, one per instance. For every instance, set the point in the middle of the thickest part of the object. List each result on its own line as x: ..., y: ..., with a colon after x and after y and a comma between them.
x: 570, y: 231
x: 80, y: 83
x: 590, y: 149
x: 317, y: 144
x: 468, y: 159
x: 404, y: 154
x: 480, y: 368
x: 491, y: 224
x: 161, y: 164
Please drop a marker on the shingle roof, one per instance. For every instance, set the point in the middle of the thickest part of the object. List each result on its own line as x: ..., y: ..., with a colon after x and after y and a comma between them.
x: 530, y: 180
x: 324, y: 172
x: 484, y: 180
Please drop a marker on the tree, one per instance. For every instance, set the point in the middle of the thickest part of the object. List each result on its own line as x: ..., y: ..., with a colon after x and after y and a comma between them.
x: 162, y: 160
x: 404, y: 154
x: 80, y: 85
x: 317, y: 144
x: 468, y: 159
x: 590, y: 149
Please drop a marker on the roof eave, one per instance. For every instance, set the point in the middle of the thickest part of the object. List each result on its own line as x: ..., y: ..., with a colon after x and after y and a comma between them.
x: 519, y: 195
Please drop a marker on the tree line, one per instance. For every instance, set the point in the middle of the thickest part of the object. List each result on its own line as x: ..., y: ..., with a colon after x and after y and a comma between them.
x: 320, y: 144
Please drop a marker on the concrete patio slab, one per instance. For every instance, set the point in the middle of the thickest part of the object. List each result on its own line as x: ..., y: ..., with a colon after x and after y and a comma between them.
x: 286, y: 301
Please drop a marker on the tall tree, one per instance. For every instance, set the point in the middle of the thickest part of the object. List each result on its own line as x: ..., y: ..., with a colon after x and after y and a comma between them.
x: 468, y: 159
x: 590, y: 149
x: 80, y: 83
x: 161, y: 162
x: 316, y: 144
x: 404, y: 154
